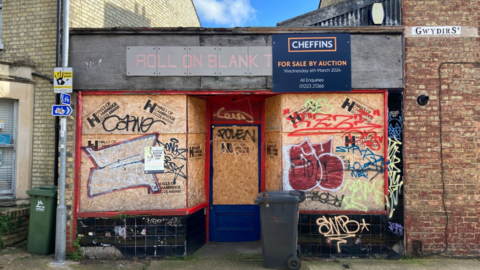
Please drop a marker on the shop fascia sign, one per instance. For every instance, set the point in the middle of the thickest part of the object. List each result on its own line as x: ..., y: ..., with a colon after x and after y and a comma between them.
x: 199, y: 61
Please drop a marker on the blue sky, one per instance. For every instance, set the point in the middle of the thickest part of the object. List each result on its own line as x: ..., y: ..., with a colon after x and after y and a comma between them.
x: 232, y: 13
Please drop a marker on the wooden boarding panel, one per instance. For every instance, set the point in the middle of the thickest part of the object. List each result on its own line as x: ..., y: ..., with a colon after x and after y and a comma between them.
x: 197, y: 115
x: 235, y: 164
x: 333, y: 148
x: 331, y: 113
x: 273, y: 115
x: 273, y: 161
x: 134, y: 114
x: 196, y: 169
x: 113, y: 176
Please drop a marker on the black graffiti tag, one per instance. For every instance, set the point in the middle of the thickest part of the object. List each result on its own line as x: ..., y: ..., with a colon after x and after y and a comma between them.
x: 327, y: 198
x: 129, y: 122
x: 173, y: 152
x: 240, y: 134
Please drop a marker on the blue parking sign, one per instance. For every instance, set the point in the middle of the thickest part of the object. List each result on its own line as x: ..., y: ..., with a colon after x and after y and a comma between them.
x: 65, y: 98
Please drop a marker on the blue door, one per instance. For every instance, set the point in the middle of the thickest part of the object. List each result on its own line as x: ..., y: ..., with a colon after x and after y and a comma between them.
x: 234, y: 183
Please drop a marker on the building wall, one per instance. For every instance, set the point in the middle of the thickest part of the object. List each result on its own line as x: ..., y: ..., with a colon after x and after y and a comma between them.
x: 20, y: 232
x: 22, y: 92
x: 133, y: 13
x: 28, y: 35
x: 456, y: 124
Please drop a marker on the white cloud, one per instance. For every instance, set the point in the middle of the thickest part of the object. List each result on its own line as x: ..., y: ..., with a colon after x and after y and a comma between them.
x: 225, y: 12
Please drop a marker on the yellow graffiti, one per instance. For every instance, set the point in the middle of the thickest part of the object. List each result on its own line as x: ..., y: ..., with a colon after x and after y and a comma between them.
x: 360, y: 191
x: 319, y: 106
x: 395, y: 183
x: 340, y: 228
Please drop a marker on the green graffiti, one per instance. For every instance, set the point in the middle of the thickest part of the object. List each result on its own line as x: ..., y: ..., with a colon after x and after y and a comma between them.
x: 361, y: 190
x: 319, y: 106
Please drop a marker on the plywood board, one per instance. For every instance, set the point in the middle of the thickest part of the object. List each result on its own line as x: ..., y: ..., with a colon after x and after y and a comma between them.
x: 197, y: 115
x: 273, y: 161
x: 113, y: 176
x: 331, y: 113
x: 273, y: 113
x: 196, y: 169
x: 335, y: 173
x: 235, y: 164
x: 134, y: 114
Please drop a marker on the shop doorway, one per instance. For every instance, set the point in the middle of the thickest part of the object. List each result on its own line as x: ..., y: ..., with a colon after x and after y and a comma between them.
x: 234, y: 182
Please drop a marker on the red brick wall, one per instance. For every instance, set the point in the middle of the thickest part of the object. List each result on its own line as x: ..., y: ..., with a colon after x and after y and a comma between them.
x: 460, y: 121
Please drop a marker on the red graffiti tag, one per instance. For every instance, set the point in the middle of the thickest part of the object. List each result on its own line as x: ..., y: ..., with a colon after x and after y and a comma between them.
x: 313, y: 165
x: 323, y: 124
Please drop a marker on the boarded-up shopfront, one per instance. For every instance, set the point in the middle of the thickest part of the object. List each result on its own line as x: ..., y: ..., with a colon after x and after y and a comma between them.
x: 203, y: 103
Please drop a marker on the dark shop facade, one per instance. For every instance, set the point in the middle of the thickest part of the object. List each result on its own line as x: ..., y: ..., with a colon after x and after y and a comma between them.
x: 176, y: 131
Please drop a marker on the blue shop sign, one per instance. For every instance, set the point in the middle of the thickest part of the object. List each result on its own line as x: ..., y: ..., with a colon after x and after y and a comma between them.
x: 311, y: 62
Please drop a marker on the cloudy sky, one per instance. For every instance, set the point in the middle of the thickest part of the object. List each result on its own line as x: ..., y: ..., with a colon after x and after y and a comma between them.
x: 232, y: 13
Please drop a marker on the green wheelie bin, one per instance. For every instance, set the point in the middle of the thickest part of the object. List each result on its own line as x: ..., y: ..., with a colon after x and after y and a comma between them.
x: 41, y: 227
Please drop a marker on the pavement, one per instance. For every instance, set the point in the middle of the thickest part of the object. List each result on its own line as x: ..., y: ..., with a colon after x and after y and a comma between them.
x: 232, y: 256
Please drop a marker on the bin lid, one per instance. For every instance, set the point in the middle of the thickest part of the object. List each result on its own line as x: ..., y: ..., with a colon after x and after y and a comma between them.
x: 280, y: 196
x: 47, y: 191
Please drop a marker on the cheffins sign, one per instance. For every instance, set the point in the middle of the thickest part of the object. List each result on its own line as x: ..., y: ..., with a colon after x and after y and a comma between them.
x: 311, y: 62
x: 315, y: 44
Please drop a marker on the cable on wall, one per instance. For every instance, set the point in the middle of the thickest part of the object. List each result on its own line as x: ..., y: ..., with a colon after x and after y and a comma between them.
x: 477, y: 65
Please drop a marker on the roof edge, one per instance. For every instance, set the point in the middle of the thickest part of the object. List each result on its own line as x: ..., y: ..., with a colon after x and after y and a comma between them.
x: 237, y: 30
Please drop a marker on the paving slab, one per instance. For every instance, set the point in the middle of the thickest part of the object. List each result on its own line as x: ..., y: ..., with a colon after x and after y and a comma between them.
x: 219, y: 250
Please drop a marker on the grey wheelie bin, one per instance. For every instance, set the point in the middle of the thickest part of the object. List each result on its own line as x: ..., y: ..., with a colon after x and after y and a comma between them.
x: 279, y: 219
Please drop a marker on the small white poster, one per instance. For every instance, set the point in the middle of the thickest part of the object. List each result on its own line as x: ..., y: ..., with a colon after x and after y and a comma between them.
x: 154, y: 159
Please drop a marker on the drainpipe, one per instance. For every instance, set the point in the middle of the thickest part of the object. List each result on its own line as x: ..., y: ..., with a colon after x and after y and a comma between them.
x: 57, y: 96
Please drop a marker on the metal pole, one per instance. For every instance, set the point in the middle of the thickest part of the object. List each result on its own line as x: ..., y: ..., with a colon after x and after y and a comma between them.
x: 57, y: 96
x: 61, y: 230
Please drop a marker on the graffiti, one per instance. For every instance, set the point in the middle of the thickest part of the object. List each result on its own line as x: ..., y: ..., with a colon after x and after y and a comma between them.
x: 395, y: 182
x: 324, y: 124
x: 174, y: 152
x: 373, y: 162
x: 319, y: 106
x: 240, y: 134
x: 395, y: 126
x: 311, y: 165
x: 340, y: 228
x: 120, y: 166
x: 360, y: 192
x: 129, y: 123
x: 326, y: 198
x: 233, y: 115
x: 395, y: 228
x: 272, y: 150
x: 174, y: 222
